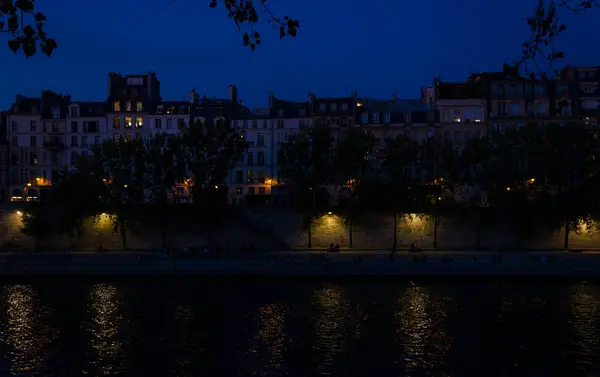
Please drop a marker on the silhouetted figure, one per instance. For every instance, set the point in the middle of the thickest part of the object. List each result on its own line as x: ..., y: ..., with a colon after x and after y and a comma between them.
x: 331, y: 247
x: 337, y: 248
x: 100, y: 248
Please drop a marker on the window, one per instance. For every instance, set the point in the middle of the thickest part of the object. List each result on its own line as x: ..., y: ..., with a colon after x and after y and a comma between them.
x: 14, y: 126
x: 54, y: 127
x: 261, y: 158
x: 139, y: 106
x: 498, y: 90
x: 127, y: 137
x: 74, y: 127
x: 254, y: 124
x: 117, y: 122
x: 281, y: 112
x: 279, y: 123
x: 239, y: 191
x: 250, y: 190
x: 127, y: 122
x: 84, y: 141
x: 250, y: 158
x: 262, y: 191
x: 157, y: 123
x: 33, y: 141
x: 344, y: 107
x: 239, y: 177
x: 302, y: 112
x: 169, y: 123
x: 128, y: 106
x: 56, y: 113
x: 343, y: 121
x: 512, y: 90
x: 514, y: 108
x: 180, y: 123
x: 265, y: 124
x: 322, y: 107
x: 74, y: 111
x: 250, y: 176
x: 116, y: 106
x: 261, y: 176
x: 32, y: 126
x: 260, y: 139
x: 116, y: 137
x: 541, y: 109
x: 375, y: 117
x: 561, y: 89
x: 457, y: 136
x: 457, y: 115
x: 139, y: 122
x: 73, y: 141
x: 333, y: 107
x: 364, y: 118
x: 387, y: 118
x: 138, y: 136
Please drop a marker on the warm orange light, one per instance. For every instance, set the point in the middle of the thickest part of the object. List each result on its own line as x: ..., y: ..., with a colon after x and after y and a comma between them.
x: 217, y: 187
x: 508, y: 189
x: 269, y: 181
x: 125, y: 186
x: 358, y: 104
x: 28, y: 184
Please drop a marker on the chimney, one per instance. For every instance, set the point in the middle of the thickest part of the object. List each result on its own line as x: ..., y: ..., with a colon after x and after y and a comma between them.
x: 193, y: 96
x: 271, y: 99
x: 233, y: 94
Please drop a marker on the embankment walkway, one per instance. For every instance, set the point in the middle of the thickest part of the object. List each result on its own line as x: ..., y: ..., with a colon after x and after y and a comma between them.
x: 317, y: 264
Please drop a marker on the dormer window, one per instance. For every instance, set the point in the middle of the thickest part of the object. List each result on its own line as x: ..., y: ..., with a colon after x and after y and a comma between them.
x: 280, y: 112
x: 116, y: 106
x: 140, y: 106
x: 387, y: 118
x: 333, y: 106
x: 375, y: 117
x: 128, y: 106
x: 74, y: 111
x: 56, y: 113
x: 322, y: 107
x: 302, y: 112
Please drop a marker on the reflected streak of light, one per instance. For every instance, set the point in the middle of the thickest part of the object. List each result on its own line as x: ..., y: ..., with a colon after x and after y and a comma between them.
x: 29, y: 334
x: 186, y: 362
x: 105, y: 337
x: 584, y: 305
x: 336, y: 325
x: 271, y: 336
x: 420, y: 329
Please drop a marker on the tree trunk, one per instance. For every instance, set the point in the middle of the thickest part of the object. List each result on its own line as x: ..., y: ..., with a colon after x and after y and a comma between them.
x: 309, y: 232
x: 350, y: 241
x: 123, y: 233
x: 435, y: 228
x: 566, y: 240
x: 395, y: 243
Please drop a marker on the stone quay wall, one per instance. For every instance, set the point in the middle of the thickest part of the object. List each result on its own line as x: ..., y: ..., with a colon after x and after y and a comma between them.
x: 278, y: 228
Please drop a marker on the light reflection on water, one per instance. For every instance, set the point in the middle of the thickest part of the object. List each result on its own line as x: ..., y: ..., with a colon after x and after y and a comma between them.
x: 185, y: 359
x: 270, y: 340
x: 584, y: 305
x: 337, y: 324
x: 108, y: 352
x: 28, y: 331
x: 420, y: 329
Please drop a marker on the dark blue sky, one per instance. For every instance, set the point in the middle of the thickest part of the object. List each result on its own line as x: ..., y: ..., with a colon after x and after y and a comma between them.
x: 342, y: 45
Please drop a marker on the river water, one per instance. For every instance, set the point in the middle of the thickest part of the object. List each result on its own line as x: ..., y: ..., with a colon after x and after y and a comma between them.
x: 307, y: 328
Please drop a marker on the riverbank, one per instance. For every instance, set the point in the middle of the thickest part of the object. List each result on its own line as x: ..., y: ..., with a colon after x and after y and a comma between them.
x: 444, y: 264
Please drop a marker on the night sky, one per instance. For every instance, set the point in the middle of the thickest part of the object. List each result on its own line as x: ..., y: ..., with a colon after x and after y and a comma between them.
x: 342, y: 45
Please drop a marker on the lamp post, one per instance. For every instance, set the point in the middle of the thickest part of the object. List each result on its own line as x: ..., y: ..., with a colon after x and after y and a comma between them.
x: 310, y: 216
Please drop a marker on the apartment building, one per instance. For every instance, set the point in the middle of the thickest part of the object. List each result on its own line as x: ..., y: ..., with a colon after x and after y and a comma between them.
x: 129, y: 102
x: 582, y: 86
x: 256, y: 177
x: 4, y: 157
x: 86, y: 126
x: 462, y: 109
x: 169, y: 117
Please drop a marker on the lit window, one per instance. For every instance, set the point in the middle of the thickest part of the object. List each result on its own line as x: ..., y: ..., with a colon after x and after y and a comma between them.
x: 117, y: 106
x: 117, y: 122
x: 128, y: 106
x: 140, y: 106
x: 128, y: 122
x: 127, y: 138
x: 139, y: 122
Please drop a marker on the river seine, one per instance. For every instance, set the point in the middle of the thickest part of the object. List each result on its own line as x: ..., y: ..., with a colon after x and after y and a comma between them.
x: 219, y: 328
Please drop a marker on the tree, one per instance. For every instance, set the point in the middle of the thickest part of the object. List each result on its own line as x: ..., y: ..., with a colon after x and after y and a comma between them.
x: 209, y: 151
x: 25, y: 24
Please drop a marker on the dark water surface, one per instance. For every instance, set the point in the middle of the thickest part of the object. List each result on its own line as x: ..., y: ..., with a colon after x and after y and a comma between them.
x: 299, y: 328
